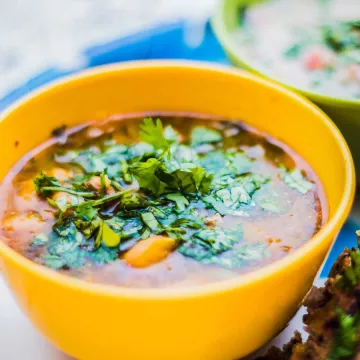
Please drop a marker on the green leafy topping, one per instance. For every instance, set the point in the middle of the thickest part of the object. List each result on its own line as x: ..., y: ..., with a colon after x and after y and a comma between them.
x: 216, y: 204
x: 158, y: 186
x: 104, y: 255
x: 180, y: 200
x: 60, y: 203
x: 45, y: 186
x: 241, y: 163
x: 150, y: 220
x: 234, y: 196
x: 43, y: 182
x: 242, y: 255
x: 203, y: 135
x: 152, y: 132
x: 145, y: 174
x: 296, y: 180
x: 160, y: 178
x: 270, y: 205
x: 39, y: 239
x: 206, y: 243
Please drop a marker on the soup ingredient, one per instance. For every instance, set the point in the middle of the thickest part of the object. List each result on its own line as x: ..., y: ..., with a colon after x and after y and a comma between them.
x: 150, y: 251
x: 333, y: 317
x: 159, y: 202
x: 315, y: 47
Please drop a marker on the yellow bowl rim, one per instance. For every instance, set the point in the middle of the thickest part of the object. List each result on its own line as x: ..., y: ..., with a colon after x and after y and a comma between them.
x: 197, y: 290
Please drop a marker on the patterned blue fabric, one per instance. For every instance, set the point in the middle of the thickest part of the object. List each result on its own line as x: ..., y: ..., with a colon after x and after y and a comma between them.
x: 165, y: 42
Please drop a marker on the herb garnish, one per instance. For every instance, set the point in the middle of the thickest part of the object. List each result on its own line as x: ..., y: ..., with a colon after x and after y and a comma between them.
x: 127, y: 193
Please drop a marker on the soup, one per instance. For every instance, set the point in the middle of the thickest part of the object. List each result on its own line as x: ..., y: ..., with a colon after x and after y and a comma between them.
x: 162, y: 201
x: 311, y: 44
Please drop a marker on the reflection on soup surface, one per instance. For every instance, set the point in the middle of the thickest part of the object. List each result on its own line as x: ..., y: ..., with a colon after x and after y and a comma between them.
x: 310, y: 44
x: 167, y: 201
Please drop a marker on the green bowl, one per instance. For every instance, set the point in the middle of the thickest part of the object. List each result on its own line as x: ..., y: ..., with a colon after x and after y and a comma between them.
x: 344, y: 112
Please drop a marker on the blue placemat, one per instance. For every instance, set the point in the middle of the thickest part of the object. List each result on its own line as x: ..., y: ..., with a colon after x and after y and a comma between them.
x: 165, y: 42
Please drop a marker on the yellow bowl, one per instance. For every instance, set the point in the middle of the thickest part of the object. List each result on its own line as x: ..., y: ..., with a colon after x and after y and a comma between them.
x: 225, y: 320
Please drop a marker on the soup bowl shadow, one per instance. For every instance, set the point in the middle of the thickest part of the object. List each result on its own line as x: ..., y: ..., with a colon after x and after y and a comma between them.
x: 344, y: 112
x: 223, y: 320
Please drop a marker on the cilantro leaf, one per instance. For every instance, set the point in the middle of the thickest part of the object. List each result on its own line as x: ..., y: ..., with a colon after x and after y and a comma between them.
x: 171, y: 135
x: 150, y: 220
x: 45, y: 186
x: 157, y: 178
x: 296, y: 181
x: 74, y: 258
x: 191, y: 179
x: 219, y: 240
x: 270, y: 205
x: 241, y: 163
x: 241, y: 255
x: 234, y: 196
x: 206, y: 243
x: 86, y: 219
x: 152, y: 132
x: 104, y: 255
x: 216, y: 204
x: 203, y: 135
x: 216, y: 162
x: 144, y: 173
x: 134, y: 200
x: 39, y: 240
x: 61, y: 204
x: 43, y: 182
x: 180, y: 200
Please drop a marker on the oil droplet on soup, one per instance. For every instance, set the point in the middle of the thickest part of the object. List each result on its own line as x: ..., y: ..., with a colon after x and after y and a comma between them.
x: 167, y: 201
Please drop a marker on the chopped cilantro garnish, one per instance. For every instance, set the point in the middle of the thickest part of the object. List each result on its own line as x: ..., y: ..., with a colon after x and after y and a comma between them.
x: 39, y: 239
x: 152, y: 132
x: 203, y: 135
x: 296, y: 180
x: 180, y: 200
x: 150, y: 220
x: 270, y: 205
x: 126, y: 193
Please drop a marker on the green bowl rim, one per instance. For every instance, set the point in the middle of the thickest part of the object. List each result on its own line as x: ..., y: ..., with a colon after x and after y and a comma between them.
x: 220, y: 26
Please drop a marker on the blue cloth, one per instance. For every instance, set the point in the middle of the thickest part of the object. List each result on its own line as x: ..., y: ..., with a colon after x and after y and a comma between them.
x: 165, y: 42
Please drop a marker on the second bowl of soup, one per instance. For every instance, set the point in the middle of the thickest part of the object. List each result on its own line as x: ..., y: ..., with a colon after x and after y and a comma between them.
x: 178, y: 206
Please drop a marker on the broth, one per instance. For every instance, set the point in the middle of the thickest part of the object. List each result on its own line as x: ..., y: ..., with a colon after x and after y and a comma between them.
x: 184, y: 200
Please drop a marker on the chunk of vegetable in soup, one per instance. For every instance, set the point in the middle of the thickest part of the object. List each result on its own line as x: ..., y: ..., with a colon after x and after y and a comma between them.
x: 311, y: 44
x: 160, y: 202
